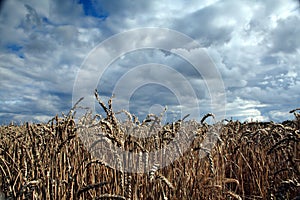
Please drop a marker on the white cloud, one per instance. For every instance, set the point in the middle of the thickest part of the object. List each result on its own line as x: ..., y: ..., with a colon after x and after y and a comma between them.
x: 281, y: 115
x: 254, y: 45
x: 245, y: 110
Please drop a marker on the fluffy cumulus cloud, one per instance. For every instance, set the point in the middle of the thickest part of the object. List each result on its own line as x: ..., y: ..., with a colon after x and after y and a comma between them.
x: 252, y: 47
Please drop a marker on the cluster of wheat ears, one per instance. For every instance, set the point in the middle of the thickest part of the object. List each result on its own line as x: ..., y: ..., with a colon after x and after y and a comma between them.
x: 64, y: 159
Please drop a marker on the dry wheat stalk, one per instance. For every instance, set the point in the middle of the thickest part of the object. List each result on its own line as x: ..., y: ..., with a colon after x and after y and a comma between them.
x: 251, y: 162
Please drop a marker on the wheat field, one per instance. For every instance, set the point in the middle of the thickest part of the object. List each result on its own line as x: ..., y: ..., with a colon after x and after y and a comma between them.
x: 249, y: 160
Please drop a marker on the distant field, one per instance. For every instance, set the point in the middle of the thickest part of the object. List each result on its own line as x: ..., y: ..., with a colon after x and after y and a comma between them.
x: 250, y: 160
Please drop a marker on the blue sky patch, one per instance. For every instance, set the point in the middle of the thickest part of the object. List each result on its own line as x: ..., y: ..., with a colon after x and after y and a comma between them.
x: 91, y: 10
x: 16, y: 49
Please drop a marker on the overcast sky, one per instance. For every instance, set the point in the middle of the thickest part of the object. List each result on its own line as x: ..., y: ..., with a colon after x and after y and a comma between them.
x: 254, y: 45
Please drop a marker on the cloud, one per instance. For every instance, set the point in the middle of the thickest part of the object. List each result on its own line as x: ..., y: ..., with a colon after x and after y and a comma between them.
x: 254, y: 46
x: 243, y: 109
x: 285, y: 37
x: 211, y: 25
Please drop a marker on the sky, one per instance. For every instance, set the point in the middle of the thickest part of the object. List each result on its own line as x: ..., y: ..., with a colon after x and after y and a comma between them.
x: 47, y: 47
